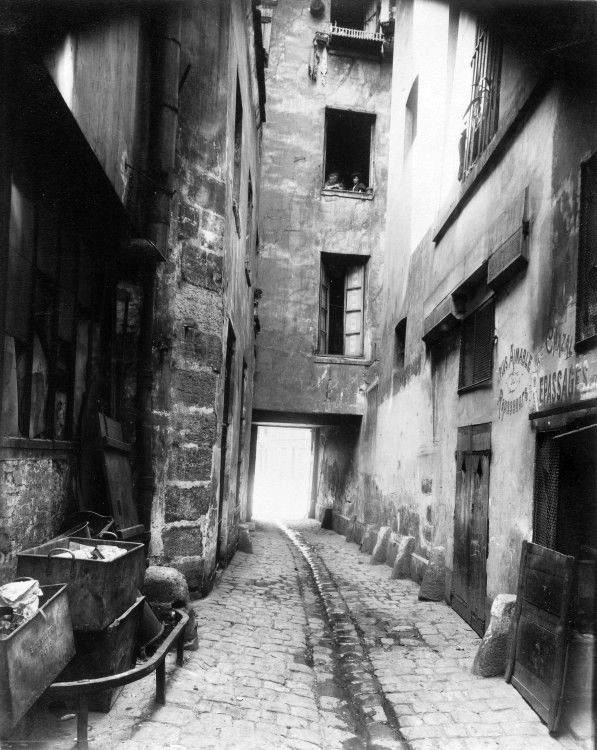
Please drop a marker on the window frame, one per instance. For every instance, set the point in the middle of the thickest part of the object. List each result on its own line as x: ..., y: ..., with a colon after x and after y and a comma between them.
x: 487, y: 301
x: 586, y: 206
x: 349, y: 263
x: 399, y: 359
x: 372, y: 116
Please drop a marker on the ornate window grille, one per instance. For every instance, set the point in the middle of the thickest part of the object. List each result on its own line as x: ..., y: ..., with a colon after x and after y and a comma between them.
x: 481, y: 116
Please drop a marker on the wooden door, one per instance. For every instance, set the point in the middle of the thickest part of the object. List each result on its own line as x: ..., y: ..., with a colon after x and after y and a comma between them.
x: 469, y: 577
x: 537, y: 660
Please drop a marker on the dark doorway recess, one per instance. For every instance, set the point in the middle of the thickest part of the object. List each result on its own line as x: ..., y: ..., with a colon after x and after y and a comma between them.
x: 225, y: 462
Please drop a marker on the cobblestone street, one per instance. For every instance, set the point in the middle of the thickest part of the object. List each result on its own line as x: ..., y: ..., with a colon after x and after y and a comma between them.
x: 269, y: 672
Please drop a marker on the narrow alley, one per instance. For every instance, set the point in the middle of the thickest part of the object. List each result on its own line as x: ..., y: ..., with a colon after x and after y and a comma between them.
x: 304, y: 644
x: 298, y: 374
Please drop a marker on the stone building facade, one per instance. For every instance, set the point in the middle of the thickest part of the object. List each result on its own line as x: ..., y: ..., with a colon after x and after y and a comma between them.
x: 478, y: 370
x: 130, y: 186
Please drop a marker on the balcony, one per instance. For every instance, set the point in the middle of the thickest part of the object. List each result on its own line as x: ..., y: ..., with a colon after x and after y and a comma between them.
x: 344, y: 38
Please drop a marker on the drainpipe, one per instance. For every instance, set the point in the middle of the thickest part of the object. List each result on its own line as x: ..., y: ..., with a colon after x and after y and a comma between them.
x: 164, y: 125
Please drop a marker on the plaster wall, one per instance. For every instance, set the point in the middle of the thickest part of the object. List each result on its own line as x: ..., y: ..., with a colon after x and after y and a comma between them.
x: 410, y: 476
x: 298, y: 222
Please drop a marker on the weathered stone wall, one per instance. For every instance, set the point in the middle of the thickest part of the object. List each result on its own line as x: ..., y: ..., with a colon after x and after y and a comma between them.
x: 202, y: 288
x: 35, y: 497
x: 298, y: 223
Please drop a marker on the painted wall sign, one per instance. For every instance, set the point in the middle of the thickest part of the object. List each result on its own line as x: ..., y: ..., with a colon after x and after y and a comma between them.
x: 563, y: 376
x: 516, y: 375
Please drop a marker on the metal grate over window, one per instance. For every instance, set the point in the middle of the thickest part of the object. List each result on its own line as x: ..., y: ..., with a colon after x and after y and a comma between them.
x: 547, y: 480
x: 481, y: 116
x: 586, y: 300
x: 476, y: 346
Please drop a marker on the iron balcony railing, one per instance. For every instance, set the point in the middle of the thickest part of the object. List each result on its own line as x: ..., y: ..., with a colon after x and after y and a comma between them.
x: 481, y: 116
x: 360, y: 34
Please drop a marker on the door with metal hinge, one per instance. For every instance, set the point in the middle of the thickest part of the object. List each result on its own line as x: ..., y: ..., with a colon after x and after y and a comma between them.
x: 471, y: 525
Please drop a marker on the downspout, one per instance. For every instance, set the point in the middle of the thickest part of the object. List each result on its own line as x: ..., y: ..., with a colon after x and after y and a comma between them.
x: 164, y: 125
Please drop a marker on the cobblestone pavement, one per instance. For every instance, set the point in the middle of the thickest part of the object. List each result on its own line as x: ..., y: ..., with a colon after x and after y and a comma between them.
x: 263, y: 676
x: 422, y: 654
x: 305, y: 645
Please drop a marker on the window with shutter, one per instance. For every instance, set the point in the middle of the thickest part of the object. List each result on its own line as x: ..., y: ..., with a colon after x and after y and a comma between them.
x: 586, y: 296
x: 353, y: 311
x: 341, y: 305
x: 476, y: 346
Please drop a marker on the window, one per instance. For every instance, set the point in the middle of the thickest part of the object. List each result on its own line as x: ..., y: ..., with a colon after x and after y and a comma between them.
x: 238, y: 144
x: 476, y: 346
x: 355, y: 24
x: 410, y: 117
x: 586, y: 294
x: 481, y: 116
x: 400, y: 343
x: 341, y: 302
x: 348, y: 138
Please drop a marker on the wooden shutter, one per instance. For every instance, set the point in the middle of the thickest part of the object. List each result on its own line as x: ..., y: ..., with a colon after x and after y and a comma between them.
x: 353, y: 311
x: 324, y: 307
x: 476, y: 349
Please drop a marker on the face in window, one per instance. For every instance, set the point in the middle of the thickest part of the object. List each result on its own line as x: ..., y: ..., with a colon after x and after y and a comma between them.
x: 333, y: 182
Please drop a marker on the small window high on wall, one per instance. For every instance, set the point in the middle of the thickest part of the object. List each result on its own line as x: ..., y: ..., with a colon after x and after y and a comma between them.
x: 348, y: 151
x: 586, y: 295
x: 341, y: 305
x: 238, y: 145
x: 399, y: 344
x: 410, y: 116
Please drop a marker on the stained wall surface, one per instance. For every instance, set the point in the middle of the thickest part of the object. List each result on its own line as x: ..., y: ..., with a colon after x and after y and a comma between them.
x: 298, y: 222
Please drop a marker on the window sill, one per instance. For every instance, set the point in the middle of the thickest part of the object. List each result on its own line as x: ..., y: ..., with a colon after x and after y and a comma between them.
x: 29, y: 444
x: 339, y: 359
x: 483, y: 384
x: 348, y: 194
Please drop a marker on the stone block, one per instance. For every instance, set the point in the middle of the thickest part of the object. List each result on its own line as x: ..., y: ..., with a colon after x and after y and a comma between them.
x: 201, y: 268
x: 492, y: 654
x: 182, y: 541
x: 402, y: 567
x: 194, y: 388
x: 350, y: 529
x: 191, y: 464
x: 418, y: 566
x: 199, y: 346
x: 369, y: 540
x: 393, y: 543
x: 434, y: 579
x: 380, y: 551
x: 193, y: 569
x: 244, y: 543
x: 188, y: 503
x: 339, y: 523
x: 165, y: 585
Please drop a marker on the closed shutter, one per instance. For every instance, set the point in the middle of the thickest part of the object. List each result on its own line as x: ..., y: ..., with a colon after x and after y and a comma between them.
x: 324, y: 305
x: 353, y: 311
x: 476, y: 349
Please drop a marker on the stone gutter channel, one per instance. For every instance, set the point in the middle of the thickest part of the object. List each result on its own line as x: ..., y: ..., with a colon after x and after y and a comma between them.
x: 373, y: 710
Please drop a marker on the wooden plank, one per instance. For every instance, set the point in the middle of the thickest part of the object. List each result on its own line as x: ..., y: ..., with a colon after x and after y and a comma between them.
x: 537, y: 659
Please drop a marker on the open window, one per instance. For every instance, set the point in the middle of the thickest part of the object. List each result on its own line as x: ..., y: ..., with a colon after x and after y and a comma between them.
x: 348, y: 141
x: 410, y: 117
x: 400, y: 344
x: 586, y: 296
x: 355, y: 25
x: 238, y: 145
x: 341, y: 305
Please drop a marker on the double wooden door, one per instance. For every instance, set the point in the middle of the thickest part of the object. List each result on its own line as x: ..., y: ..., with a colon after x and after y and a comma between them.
x: 471, y: 525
